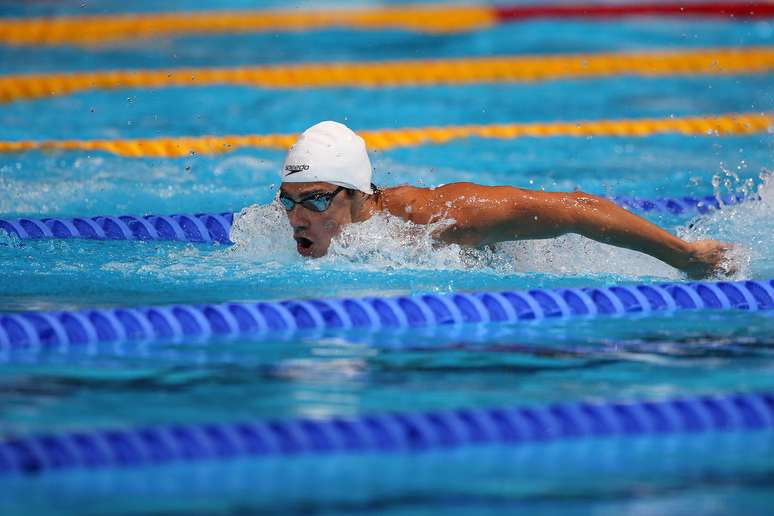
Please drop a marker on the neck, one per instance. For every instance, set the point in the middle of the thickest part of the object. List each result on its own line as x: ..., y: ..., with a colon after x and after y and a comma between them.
x: 368, y: 207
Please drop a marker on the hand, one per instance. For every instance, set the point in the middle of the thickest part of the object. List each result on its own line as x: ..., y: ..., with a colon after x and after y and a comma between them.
x: 707, y: 258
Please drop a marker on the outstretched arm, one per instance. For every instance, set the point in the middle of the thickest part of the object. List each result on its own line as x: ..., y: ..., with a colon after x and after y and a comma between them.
x: 484, y: 215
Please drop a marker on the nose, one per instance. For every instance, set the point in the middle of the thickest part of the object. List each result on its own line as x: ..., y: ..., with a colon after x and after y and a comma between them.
x: 298, y: 219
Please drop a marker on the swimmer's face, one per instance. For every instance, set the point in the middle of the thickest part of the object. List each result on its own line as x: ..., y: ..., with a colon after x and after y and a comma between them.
x: 314, y: 230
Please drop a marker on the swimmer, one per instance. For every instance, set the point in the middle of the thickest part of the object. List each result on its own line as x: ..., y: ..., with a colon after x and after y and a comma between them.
x: 326, y: 184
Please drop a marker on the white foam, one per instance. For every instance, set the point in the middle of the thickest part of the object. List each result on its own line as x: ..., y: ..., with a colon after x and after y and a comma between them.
x: 748, y: 225
x: 262, y: 232
x: 390, y: 243
x: 387, y: 243
x: 577, y: 255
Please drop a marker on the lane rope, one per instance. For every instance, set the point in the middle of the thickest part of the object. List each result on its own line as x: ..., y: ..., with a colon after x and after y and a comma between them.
x: 199, y: 227
x: 386, y: 139
x: 381, y: 74
x: 390, y: 433
x: 727, y: 10
x: 73, y: 328
x: 215, y: 227
x: 431, y: 19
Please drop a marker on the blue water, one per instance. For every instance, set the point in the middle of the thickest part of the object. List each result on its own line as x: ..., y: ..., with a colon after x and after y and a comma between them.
x: 347, y: 373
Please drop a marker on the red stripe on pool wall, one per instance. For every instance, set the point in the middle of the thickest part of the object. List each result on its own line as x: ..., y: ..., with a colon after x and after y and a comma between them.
x: 723, y: 9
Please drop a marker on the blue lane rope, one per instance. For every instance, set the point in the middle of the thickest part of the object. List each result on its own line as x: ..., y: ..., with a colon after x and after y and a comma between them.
x: 57, y: 329
x: 200, y: 227
x: 678, y: 205
x: 388, y: 433
x: 215, y: 227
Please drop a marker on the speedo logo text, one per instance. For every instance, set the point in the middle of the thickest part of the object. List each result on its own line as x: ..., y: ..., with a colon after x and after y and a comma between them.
x: 292, y: 169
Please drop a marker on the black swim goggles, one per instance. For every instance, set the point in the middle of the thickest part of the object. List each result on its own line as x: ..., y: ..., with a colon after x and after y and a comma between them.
x: 318, y: 202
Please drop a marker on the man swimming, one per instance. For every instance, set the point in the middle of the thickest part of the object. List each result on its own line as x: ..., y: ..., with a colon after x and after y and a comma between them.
x: 326, y: 184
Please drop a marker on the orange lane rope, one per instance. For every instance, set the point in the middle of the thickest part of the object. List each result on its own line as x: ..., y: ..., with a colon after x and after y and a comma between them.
x: 93, y: 30
x: 404, y: 73
x: 432, y: 19
x: 385, y: 139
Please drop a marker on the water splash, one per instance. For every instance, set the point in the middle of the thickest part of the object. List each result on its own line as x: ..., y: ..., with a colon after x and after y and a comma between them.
x: 580, y: 256
x: 730, y: 185
x: 748, y: 225
x: 388, y: 243
x: 262, y: 234
x: 384, y: 242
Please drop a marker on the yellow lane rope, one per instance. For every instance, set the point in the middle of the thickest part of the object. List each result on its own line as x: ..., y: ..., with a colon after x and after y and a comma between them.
x: 384, y: 139
x: 94, y: 30
x: 405, y: 73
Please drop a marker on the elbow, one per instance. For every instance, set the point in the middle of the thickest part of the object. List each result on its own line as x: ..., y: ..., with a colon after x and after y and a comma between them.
x: 586, y: 203
x: 586, y: 200
x: 583, y: 208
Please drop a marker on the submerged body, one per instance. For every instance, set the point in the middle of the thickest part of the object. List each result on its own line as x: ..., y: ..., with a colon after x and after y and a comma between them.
x: 326, y: 184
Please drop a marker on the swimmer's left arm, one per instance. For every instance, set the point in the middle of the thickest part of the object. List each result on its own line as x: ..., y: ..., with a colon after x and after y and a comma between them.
x: 604, y: 221
x: 484, y: 215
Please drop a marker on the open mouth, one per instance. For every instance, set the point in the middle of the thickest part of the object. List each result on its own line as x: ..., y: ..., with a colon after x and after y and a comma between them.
x: 303, y: 244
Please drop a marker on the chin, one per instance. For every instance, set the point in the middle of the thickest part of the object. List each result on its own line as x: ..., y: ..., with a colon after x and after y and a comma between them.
x: 318, y: 252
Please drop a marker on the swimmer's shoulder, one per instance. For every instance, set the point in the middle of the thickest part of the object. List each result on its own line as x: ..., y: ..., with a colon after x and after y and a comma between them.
x: 401, y: 193
x: 403, y: 201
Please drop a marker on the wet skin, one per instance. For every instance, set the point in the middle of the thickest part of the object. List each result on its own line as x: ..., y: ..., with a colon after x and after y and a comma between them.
x: 484, y: 215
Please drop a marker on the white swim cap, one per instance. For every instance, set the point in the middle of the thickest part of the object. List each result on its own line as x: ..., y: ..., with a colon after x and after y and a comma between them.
x: 330, y: 152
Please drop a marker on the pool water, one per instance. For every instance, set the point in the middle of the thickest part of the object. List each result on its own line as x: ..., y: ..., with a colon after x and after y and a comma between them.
x: 353, y: 373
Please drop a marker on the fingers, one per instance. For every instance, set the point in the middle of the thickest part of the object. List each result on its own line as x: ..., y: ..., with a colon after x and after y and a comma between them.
x: 724, y: 263
x: 712, y: 258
